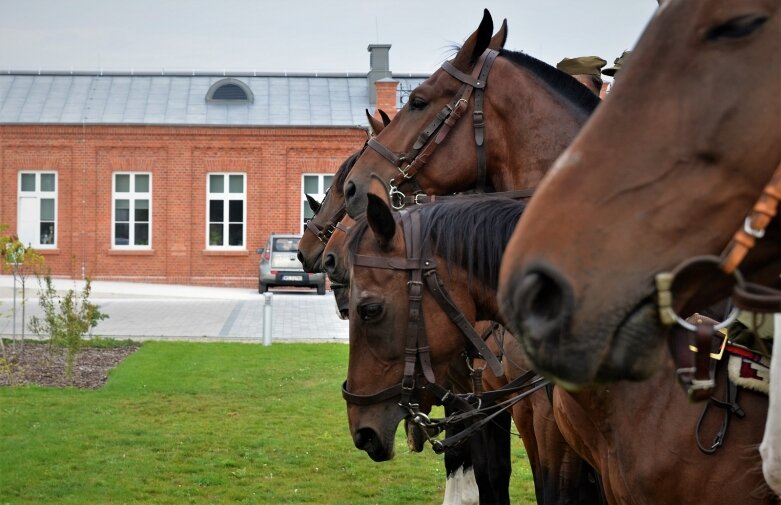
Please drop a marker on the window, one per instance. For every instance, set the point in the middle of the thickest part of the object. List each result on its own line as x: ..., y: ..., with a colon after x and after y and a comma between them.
x: 131, y: 211
x: 37, y: 209
x: 314, y: 185
x: 226, y: 211
x: 229, y: 91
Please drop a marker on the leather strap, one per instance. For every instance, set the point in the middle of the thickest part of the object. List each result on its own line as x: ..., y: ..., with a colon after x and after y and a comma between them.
x: 421, y: 198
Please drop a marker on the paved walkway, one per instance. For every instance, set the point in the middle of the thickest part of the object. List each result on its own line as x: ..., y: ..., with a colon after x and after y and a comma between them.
x: 173, y: 312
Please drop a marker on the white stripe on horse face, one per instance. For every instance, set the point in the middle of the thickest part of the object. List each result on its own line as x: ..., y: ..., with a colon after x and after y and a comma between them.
x: 770, y: 449
x: 461, y: 488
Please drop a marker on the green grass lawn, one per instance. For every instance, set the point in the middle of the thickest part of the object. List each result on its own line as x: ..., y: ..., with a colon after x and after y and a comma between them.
x: 209, y: 423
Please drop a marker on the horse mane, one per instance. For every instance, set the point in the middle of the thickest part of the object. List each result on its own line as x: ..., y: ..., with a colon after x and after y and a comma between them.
x: 344, y: 169
x: 470, y: 232
x: 563, y: 83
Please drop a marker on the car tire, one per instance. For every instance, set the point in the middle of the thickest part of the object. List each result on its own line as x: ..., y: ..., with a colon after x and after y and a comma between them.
x: 262, y: 287
x: 321, y: 289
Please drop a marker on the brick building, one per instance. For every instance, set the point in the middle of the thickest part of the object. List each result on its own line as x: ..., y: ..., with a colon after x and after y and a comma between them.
x: 171, y: 177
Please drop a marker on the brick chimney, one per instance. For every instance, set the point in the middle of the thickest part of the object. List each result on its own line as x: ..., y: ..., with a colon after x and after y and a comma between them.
x: 386, y: 95
x: 379, y: 68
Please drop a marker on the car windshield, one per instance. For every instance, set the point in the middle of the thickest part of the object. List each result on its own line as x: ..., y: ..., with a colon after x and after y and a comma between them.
x: 285, y: 244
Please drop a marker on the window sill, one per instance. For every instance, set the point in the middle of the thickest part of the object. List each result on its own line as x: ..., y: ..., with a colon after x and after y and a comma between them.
x: 225, y: 252
x: 131, y: 252
x: 46, y: 252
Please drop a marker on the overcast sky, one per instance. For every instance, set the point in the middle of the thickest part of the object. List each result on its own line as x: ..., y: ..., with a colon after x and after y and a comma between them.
x: 299, y: 35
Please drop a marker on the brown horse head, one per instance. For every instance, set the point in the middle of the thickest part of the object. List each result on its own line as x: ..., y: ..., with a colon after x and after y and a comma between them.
x: 529, y: 113
x: 331, y: 210
x: 380, y: 310
x: 667, y: 169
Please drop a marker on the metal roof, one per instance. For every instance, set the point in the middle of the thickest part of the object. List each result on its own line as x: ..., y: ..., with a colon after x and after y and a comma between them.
x: 180, y: 99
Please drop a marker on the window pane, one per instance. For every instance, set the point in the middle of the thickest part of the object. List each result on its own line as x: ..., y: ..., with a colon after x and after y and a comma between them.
x: 47, y: 209
x: 142, y: 234
x: 235, y: 234
x: 122, y: 210
x: 216, y: 211
x: 308, y: 214
x: 215, y: 234
x: 216, y: 183
x: 121, y: 234
x: 47, y: 233
x: 47, y: 182
x: 28, y: 182
x: 236, y: 211
x: 311, y: 185
x: 327, y: 180
x: 236, y: 183
x: 142, y: 183
x: 123, y: 183
x: 142, y: 210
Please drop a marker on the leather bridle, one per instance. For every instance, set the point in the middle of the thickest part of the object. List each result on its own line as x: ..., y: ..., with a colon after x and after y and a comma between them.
x: 695, y: 371
x: 412, y: 162
x: 476, y: 409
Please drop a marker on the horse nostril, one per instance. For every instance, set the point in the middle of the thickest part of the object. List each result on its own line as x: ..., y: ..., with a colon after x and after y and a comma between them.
x: 364, y: 439
x: 300, y: 257
x: 543, y: 301
x: 349, y: 190
x: 329, y: 263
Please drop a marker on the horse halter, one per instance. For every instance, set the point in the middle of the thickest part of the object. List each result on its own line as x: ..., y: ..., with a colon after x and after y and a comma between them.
x: 420, y: 264
x: 410, y: 163
x: 697, y: 379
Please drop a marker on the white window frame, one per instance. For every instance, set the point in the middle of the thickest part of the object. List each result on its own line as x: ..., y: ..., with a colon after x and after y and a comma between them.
x: 317, y: 196
x: 226, y: 196
x: 132, y: 196
x: 38, y: 195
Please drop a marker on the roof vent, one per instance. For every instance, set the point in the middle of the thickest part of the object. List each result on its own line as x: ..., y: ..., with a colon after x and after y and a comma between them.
x: 229, y: 91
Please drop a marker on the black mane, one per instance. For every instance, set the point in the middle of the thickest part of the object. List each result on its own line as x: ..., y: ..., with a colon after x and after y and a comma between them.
x: 560, y: 81
x: 471, y: 232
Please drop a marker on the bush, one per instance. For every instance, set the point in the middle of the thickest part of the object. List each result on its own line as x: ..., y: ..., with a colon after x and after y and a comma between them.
x: 66, y: 320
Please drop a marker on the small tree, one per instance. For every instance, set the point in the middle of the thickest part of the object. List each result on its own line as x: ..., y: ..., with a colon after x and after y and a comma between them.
x: 21, y: 261
x: 66, y: 320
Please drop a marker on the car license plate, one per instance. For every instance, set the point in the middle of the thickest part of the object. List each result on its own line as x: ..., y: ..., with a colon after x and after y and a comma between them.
x: 292, y: 277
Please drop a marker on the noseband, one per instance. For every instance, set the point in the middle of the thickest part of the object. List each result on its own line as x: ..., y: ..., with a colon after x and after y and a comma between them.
x: 418, y: 372
x: 410, y: 163
x: 695, y: 374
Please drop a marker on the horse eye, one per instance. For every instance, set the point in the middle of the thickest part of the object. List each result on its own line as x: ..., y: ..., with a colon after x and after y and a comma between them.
x: 736, y: 28
x: 370, y: 311
x: 418, y: 103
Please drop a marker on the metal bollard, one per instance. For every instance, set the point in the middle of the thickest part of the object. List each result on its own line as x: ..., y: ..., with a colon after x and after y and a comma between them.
x: 268, y: 298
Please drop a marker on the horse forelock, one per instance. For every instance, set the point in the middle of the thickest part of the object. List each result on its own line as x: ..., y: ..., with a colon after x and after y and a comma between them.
x: 561, y: 82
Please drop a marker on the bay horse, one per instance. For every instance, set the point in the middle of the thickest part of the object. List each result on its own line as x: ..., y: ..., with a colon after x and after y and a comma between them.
x: 328, y: 213
x: 393, y: 356
x: 523, y: 114
x: 642, y: 437
x: 667, y: 169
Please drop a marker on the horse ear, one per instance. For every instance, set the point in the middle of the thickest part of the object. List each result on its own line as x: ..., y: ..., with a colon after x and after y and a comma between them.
x: 374, y: 124
x: 475, y: 44
x: 385, y: 118
x: 498, y: 40
x: 380, y: 219
x: 313, y: 204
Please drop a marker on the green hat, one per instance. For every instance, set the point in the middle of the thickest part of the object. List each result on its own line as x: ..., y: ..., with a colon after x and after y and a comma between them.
x: 620, y: 62
x: 582, y: 65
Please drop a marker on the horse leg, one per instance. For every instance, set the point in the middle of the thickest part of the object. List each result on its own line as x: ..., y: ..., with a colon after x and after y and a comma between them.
x: 770, y: 449
x: 491, y: 456
x: 461, y: 487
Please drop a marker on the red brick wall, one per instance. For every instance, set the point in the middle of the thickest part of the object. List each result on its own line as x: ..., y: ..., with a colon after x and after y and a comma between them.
x: 179, y: 159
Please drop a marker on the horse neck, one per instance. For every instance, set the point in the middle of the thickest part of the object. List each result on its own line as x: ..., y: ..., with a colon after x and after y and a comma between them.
x: 534, y: 127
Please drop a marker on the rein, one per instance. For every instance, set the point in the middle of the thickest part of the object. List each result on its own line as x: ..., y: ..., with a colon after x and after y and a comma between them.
x: 697, y: 378
x: 418, y: 373
x: 410, y: 163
